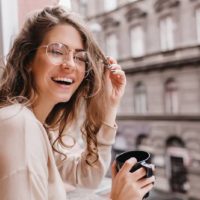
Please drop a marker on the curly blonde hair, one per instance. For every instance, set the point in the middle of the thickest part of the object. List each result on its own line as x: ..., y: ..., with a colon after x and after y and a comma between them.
x: 17, y: 81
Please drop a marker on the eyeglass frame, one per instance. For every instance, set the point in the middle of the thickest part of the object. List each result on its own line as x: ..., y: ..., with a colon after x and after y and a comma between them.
x: 68, y: 50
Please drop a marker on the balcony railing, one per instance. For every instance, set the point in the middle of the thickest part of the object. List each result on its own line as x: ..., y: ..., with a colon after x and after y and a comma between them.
x: 176, y: 57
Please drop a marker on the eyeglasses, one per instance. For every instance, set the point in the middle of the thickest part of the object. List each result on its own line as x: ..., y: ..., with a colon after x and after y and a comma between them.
x: 59, y: 53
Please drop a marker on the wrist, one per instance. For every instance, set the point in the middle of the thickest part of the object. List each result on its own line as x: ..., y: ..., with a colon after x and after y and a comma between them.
x: 111, y: 125
x: 110, y: 116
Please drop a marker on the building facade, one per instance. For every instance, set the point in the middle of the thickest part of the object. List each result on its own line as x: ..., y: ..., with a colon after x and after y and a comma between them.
x: 157, y: 44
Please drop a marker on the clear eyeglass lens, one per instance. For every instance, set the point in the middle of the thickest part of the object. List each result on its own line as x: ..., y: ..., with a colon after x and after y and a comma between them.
x: 59, y: 54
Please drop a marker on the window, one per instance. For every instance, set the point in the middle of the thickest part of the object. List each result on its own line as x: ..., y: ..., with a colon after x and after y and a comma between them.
x: 171, y: 96
x: 66, y: 3
x: 167, y: 33
x: 137, y: 41
x: 140, y: 98
x: 9, y: 26
x: 175, y: 142
x: 110, y: 5
x: 198, y: 24
x: 141, y: 140
x: 111, y: 45
x: 83, y: 5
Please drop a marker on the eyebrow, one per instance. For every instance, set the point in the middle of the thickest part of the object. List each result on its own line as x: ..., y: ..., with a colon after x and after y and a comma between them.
x: 77, y: 50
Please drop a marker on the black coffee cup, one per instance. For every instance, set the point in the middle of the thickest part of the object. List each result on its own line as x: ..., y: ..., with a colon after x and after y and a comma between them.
x: 143, y: 160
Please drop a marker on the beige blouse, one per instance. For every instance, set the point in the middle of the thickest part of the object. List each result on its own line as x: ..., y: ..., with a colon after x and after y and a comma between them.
x: 28, y: 167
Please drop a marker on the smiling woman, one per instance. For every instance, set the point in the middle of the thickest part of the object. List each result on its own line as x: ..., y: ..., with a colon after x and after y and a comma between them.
x: 58, y: 71
x: 52, y: 68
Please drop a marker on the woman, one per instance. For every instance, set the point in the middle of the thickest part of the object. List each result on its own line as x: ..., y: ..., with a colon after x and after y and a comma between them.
x: 53, y: 68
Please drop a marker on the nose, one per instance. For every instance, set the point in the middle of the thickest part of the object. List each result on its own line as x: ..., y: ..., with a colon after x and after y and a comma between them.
x: 68, y: 61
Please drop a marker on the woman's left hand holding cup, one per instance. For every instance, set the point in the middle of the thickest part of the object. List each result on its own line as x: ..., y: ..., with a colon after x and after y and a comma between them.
x: 127, y: 185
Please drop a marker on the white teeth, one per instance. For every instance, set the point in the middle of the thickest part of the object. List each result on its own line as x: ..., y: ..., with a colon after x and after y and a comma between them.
x: 68, y: 80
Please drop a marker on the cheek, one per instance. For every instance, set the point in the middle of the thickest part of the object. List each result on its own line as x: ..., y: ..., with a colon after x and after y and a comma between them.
x: 37, y: 82
x: 82, y: 74
x: 38, y: 76
x: 40, y: 68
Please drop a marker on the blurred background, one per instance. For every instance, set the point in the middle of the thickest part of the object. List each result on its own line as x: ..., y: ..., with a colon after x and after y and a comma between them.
x: 157, y: 43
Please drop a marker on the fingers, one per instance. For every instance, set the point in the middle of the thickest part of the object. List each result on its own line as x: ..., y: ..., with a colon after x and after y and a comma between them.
x: 147, y: 188
x: 112, y: 64
x: 118, y: 72
x: 111, y: 60
x: 114, y: 171
x: 114, y: 68
x: 153, y: 167
x: 128, y: 165
x: 130, y: 185
x: 146, y: 181
x: 139, y: 173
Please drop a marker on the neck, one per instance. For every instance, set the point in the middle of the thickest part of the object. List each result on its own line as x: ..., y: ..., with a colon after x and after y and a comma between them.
x: 42, y: 109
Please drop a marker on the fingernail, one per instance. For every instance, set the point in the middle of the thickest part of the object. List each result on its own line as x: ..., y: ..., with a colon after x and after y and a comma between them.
x: 133, y: 159
x: 115, y: 71
x: 114, y: 65
x: 108, y: 66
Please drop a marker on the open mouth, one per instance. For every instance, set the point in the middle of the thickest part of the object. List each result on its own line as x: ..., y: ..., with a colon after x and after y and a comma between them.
x: 63, y: 81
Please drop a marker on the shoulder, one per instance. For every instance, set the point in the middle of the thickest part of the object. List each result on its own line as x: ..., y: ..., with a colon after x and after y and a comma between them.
x: 20, y: 128
x: 14, y: 111
x: 23, y: 135
x: 19, y: 119
x: 17, y: 114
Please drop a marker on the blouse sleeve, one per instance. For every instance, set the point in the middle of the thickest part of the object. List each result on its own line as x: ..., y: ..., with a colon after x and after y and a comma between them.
x: 74, y: 169
x: 23, y: 167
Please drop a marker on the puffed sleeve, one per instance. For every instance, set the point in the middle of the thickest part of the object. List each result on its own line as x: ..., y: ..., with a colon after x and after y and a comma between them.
x: 23, y: 157
x: 74, y: 169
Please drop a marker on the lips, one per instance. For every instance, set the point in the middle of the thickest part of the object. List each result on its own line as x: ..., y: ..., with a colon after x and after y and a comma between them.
x: 63, y: 80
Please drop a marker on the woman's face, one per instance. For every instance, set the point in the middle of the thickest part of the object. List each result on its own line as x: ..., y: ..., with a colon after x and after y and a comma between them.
x: 59, y: 67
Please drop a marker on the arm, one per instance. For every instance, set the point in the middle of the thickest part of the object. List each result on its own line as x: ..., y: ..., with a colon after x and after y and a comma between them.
x: 23, y: 167
x: 74, y: 169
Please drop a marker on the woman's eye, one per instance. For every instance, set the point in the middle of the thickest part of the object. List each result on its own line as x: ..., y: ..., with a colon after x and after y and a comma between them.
x: 56, y: 52
x: 82, y: 59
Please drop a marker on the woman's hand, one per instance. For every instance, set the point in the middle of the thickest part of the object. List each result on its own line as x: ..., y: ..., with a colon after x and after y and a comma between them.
x: 127, y: 185
x: 115, y: 86
x: 115, y: 82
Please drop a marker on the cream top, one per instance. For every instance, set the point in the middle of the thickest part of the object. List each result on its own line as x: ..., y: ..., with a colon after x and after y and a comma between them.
x: 29, y: 169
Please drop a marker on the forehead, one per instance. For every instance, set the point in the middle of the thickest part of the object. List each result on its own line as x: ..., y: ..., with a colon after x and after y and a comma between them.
x: 65, y: 34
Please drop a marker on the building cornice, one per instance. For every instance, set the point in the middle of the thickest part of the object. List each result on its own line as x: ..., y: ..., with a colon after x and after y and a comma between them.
x: 109, y: 22
x: 176, y: 58
x: 165, y: 65
x: 135, y: 13
x: 161, y: 5
x: 108, y: 13
x: 164, y: 117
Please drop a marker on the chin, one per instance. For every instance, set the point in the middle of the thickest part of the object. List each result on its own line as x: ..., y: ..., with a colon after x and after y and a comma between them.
x: 63, y: 100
